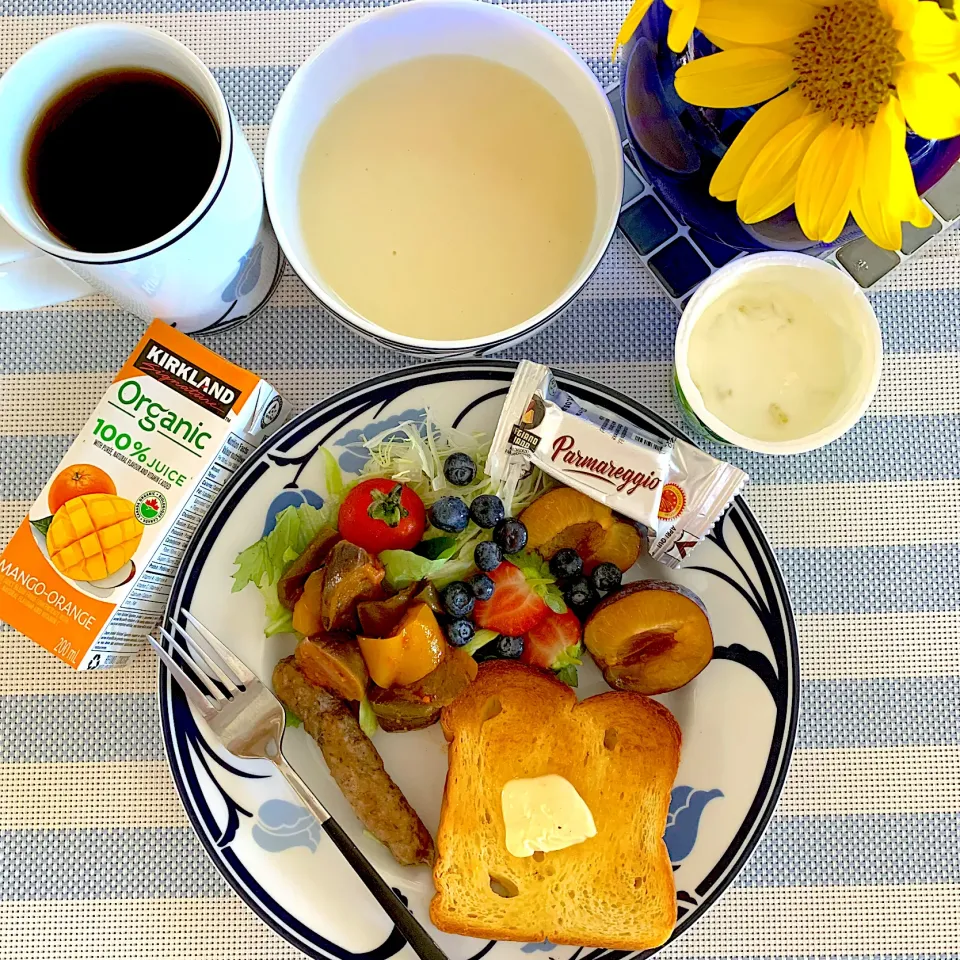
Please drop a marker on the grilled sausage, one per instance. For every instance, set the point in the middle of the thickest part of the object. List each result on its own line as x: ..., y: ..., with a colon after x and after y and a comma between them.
x: 355, y: 765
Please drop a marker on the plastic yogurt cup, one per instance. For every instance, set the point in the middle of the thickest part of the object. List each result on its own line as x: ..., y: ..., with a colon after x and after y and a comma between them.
x: 778, y: 353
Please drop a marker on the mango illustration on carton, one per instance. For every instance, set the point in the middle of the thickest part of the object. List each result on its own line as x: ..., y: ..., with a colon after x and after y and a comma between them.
x: 88, y: 572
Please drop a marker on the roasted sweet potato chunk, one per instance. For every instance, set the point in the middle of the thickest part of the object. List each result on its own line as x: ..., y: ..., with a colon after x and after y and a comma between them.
x: 290, y: 586
x: 334, y: 661
x: 419, y: 704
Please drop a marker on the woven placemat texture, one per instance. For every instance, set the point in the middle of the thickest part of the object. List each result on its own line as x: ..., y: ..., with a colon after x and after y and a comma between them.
x: 97, y: 859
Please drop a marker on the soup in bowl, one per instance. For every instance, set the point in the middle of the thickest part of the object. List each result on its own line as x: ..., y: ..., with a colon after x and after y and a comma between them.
x: 444, y: 175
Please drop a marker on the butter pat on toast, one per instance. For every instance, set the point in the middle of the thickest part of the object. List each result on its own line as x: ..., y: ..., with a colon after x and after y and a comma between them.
x: 620, y: 751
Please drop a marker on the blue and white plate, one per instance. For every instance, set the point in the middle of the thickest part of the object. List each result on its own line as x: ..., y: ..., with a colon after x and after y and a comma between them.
x: 738, y: 717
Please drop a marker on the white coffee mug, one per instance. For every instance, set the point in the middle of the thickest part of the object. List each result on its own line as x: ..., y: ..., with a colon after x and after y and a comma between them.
x: 422, y: 28
x: 216, y: 268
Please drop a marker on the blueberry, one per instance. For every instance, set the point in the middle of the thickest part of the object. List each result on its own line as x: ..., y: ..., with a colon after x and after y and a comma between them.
x: 450, y: 514
x: 459, y: 632
x: 606, y: 577
x: 487, y: 510
x: 508, y: 648
x: 482, y: 586
x: 457, y: 599
x: 487, y: 555
x: 580, y: 594
x: 510, y: 535
x: 566, y: 563
x: 459, y: 469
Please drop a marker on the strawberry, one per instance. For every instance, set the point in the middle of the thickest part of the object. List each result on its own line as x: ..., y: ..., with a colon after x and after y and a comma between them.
x: 554, y: 644
x: 514, y: 608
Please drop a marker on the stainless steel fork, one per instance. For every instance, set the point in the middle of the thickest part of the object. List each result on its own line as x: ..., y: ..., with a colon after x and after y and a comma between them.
x: 249, y: 720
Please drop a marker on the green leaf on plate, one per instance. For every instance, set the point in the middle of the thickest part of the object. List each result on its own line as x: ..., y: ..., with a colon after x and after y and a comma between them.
x: 368, y: 719
x: 541, y: 580
x: 480, y: 639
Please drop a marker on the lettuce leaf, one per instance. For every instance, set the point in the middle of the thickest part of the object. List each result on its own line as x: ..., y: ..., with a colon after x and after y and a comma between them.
x: 263, y: 562
x: 480, y: 639
x: 332, y: 475
x: 404, y: 567
x: 368, y: 719
x: 279, y: 618
x: 433, y: 548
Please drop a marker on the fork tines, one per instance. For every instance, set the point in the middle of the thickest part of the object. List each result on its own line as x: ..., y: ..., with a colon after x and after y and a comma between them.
x: 216, y: 659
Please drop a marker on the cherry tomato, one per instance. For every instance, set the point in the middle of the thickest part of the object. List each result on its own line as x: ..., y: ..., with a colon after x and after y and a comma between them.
x: 380, y: 514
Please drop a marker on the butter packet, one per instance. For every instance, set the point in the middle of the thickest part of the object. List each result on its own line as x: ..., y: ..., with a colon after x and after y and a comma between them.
x: 88, y: 572
x: 675, y: 490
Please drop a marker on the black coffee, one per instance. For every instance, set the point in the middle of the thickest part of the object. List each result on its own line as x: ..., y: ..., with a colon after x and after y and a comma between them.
x: 119, y: 159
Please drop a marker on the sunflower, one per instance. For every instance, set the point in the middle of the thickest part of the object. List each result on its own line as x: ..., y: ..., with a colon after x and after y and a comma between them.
x: 842, y: 78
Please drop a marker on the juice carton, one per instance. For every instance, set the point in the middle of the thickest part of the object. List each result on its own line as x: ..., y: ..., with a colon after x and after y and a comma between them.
x: 88, y: 572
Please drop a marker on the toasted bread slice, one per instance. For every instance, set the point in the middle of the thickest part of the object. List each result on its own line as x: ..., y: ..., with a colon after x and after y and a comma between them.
x: 621, y: 752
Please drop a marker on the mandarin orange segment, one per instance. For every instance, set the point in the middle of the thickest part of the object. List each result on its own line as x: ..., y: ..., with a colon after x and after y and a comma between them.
x: 93, y: 536
x: 621, y: 545
x: 565, y: 518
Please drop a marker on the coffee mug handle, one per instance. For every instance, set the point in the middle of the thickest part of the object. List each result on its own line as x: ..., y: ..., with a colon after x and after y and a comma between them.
x: 31, y: 278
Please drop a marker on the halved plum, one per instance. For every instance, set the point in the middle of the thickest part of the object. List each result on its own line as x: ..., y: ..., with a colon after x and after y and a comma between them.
x: 620, y: 545
x: 650, y: 637
x: 564, y: 517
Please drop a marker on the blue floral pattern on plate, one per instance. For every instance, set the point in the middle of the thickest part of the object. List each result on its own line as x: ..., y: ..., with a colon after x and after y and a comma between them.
x: 683, y: 820
x: 281, y: 826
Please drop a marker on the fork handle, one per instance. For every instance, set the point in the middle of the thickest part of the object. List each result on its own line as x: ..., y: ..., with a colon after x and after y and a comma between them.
x: 408, y: 925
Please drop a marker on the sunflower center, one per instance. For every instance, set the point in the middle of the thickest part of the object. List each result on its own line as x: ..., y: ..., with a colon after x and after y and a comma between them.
x: 845, y: 61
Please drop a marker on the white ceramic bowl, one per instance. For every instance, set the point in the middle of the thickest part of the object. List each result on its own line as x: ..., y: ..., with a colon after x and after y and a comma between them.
x: 421, y: 28
x: 837, y: 294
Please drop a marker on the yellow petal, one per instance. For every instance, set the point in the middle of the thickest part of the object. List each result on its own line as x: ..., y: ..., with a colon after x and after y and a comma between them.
x: 902, y: 13
x: 759, y: 22
x: 930, y: 100
x: 632, y: 21
x: 735, y: 78
x: 771, y: 182
x: 682, y: 21
x: 769, y: 120
x: 829, y: 178
x: 725, y: 43
x: 933, y: 38
x: 884, y: 230
x: 903, y: 198
x: 872, y: 208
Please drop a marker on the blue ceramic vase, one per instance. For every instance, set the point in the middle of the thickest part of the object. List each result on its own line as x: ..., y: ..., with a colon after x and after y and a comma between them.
x: 678, y: 146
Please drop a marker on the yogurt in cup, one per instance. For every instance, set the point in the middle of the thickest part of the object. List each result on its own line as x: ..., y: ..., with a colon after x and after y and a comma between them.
x: 778, y: 353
